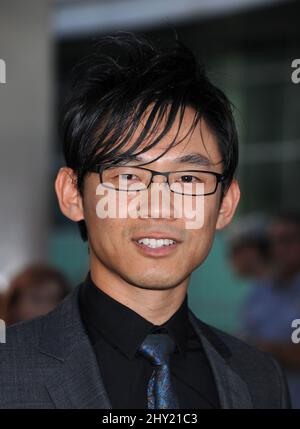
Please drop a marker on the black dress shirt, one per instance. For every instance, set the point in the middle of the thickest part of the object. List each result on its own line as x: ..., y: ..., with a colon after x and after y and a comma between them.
x: 116, y: 333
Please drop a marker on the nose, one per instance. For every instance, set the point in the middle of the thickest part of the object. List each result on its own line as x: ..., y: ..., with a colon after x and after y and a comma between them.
x: 157, y: 201
x: 162, y: 179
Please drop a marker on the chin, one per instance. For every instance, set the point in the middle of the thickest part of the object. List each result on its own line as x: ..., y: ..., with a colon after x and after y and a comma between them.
x: 156, y: 282
x: 155, y: 286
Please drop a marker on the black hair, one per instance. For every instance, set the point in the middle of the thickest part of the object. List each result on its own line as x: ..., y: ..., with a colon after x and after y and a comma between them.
x: 288, y: 216
x: 259, y: 242
x: 111, y: 90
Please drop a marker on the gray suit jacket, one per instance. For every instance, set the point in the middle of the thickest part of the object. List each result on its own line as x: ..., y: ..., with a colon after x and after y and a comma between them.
x: 49, y: 362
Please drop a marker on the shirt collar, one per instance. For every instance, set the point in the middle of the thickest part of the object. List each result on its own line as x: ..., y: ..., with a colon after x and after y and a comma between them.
x: 123, y: 327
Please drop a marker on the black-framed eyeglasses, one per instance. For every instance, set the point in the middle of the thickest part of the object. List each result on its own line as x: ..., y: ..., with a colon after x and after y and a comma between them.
x: 132, y: 178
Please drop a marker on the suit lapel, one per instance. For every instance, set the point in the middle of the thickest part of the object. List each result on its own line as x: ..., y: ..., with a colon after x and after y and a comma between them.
x: 232, y: 390
x: 74, y: 379
x: 78, y: 383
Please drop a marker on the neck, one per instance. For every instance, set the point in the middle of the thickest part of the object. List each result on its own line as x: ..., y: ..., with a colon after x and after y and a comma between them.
x: 157, y: 306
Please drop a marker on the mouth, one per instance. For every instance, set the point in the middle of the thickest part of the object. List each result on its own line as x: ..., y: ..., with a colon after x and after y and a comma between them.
x: 159, y: 246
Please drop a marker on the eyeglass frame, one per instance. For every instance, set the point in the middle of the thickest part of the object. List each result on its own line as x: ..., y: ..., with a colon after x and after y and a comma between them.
x: 99, y: 168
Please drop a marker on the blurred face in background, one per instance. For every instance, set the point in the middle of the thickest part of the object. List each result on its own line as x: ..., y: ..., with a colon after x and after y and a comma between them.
x: 249, y: 256
x: 35, y: 301
x: 35, y: 291
x: 285, y: 247
x: 247, y: 261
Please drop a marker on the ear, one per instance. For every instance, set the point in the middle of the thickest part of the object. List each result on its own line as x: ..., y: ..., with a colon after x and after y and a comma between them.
x: 68, y: 195
x: 228, y: 205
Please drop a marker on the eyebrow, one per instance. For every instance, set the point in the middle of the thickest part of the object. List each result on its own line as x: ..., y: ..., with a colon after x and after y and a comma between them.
x: 191, y: 158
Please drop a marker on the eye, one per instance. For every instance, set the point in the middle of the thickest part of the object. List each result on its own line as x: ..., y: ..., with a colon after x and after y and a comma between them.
x: 128, y: 176
x: 189, y: 179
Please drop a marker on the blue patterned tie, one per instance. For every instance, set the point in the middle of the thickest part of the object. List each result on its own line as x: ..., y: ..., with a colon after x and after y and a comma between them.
x: 158, y: 348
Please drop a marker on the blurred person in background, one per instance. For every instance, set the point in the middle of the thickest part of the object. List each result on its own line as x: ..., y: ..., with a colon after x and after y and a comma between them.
x: 2, y: 299
x: 275, y: 301
x: 249, y: 249
x: 33, y: 292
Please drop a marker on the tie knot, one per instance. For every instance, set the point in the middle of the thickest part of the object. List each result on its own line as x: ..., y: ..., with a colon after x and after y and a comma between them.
x: 157, y: 348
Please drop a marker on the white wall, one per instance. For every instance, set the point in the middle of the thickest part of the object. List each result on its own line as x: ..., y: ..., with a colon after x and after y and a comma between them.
x: 77, y: 17
x: 25, y: 113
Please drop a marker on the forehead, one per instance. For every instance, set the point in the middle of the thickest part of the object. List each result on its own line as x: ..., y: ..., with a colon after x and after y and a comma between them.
x: 200, y: 140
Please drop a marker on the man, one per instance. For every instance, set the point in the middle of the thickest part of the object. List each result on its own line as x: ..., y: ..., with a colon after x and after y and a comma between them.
x: 275, y: 301
x: 139, y: 119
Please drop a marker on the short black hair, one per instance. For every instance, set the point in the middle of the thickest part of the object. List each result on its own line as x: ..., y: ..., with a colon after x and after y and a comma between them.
x: 112, y: 88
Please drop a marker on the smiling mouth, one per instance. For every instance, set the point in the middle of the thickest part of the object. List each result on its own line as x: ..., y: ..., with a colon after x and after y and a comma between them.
x: 152, y: 247
x: 153, y: 243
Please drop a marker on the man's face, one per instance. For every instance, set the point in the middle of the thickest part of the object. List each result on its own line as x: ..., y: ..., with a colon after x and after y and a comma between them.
x: 113, y: 241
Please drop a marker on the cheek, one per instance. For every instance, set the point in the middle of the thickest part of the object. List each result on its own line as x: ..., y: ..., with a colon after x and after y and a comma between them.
x: 199, y: 242
x: 206, y: 215
x: 105, y: 234
x: 94, y: 215
x: 201, y: 239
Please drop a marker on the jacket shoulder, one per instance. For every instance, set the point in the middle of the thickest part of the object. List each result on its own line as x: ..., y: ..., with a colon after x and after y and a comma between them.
x: 24, y: 368
x: 25, y: 336
x: 261, y: 372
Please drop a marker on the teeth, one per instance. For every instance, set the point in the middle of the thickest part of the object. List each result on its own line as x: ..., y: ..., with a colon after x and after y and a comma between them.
x: 153, y: 243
